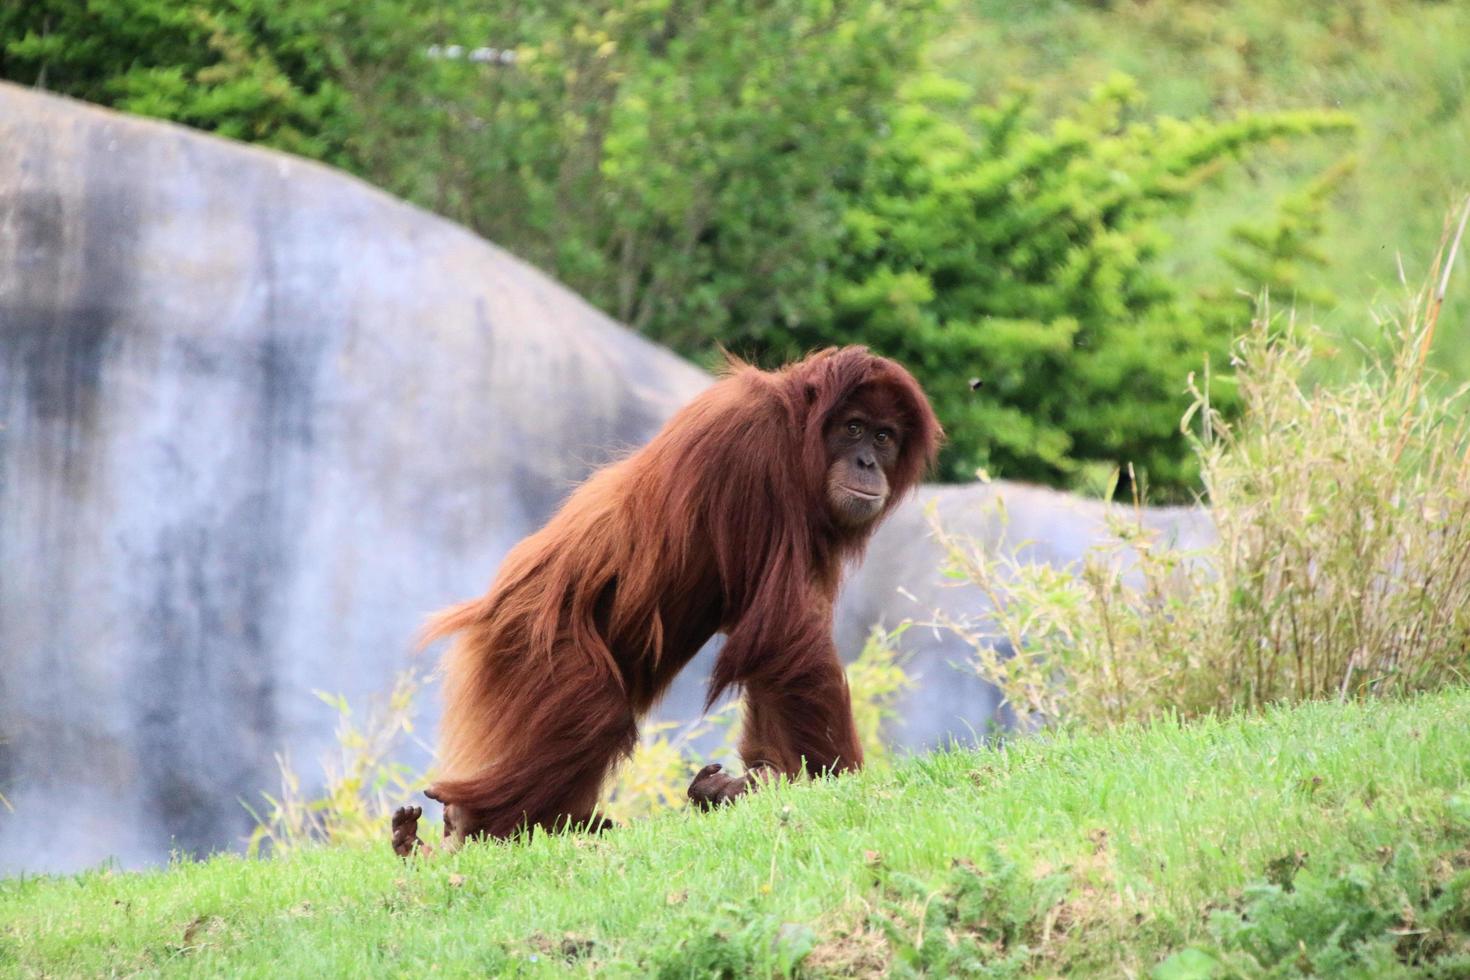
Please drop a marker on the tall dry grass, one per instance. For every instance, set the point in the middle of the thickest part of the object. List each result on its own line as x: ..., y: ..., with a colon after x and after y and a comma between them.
x: 1341, y: 567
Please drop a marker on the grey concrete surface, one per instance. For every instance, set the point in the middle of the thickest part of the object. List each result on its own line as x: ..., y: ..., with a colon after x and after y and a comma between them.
x: 258, y: 420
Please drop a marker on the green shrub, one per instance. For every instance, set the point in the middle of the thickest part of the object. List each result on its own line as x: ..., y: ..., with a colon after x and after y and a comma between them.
x: 1341, y: 570
x: 989, y: 918
x: 748, y: 177
x: 266, y: 71
x: 1408, y: 912
x: 1400, y: 68
x: 1029, y: 256
x: 684, y: 167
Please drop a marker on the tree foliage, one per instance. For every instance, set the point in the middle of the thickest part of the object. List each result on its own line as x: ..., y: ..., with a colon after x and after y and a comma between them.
x: 683, y: 165
x: 1026, y: 255
x: 766, y: 177
x: 255, y: 70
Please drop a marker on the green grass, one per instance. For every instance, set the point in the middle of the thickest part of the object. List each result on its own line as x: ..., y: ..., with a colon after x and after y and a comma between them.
x: 1333, y: 838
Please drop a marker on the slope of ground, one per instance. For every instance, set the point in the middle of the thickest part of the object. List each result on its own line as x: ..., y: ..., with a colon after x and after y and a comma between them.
x: 1333, y: 838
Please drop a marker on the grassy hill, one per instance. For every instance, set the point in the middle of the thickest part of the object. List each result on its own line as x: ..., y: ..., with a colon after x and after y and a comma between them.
x: 1401, y: 68
x: 1332, y: 839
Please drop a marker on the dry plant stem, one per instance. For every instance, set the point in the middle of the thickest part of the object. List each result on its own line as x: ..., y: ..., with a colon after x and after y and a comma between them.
x: 1449, y: 262
x: 1435, y: 304
x: 361, y: 784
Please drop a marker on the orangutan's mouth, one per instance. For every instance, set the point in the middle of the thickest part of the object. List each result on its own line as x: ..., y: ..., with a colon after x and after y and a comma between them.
x: 861, y: 493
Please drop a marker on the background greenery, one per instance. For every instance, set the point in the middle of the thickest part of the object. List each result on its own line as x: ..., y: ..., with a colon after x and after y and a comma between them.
x: 1066, y: 200
x: 1400, y: 67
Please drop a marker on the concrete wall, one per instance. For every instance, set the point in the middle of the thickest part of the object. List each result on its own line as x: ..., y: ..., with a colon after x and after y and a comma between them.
x: 258, y: 419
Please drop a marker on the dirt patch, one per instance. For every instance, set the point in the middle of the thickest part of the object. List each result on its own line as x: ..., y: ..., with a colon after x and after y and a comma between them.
x: 860, y: 953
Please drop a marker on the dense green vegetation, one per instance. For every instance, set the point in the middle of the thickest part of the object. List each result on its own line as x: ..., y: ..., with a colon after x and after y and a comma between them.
x: 254, y: 70
x: 985, y: 241
x: 1325, y: 839
x: 1400, y: 67
x: 804, y: 171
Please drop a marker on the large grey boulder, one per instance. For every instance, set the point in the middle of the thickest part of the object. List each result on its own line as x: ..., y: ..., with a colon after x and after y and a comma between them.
x: 259, y: 419
x: 902, y: 578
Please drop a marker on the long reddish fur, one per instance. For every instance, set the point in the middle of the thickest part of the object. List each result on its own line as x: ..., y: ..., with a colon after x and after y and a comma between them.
x: 720, y: 524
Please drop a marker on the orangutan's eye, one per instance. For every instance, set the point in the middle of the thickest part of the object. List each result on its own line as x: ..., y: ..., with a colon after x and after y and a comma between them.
x: 882, y: 436
x: 854, y: 429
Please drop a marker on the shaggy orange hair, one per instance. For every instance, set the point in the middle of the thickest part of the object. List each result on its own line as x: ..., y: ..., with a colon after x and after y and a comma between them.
x: 720, y: 524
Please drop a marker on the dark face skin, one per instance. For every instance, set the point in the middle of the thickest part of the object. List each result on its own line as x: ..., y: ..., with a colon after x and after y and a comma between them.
x: 863, y: 441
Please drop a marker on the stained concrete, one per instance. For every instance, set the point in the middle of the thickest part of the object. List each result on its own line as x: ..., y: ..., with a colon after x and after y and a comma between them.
x: 258, y: 419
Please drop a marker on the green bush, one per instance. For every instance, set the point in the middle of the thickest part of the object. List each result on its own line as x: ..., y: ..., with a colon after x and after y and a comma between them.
x: 1406, y: 915
x: 989, y: 918
x: 1401, y: 68
x: 683, y: 167
x: 750, y: 177
x: 266, y: 71
x: 1028, y: 256
x: 1340, y: 569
